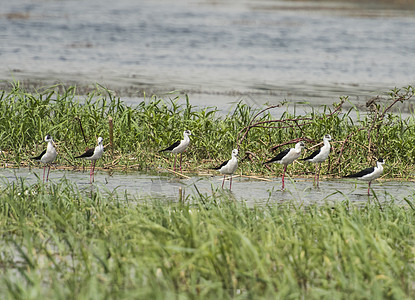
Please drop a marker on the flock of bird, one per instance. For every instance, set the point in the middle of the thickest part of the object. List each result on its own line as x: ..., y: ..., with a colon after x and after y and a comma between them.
x: 228, y: 167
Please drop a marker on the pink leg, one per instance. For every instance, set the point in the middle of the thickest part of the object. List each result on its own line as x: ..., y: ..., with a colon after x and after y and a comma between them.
x: 368, y: 189
x: 174, y: 166
x: 47, y: 177
x: 44, y: 169
x: 318, y: 173
x: 283, y: 175
x: 223, y: 181
x: 91, y: 173
x: 230, y: 186
x: 181, y: 162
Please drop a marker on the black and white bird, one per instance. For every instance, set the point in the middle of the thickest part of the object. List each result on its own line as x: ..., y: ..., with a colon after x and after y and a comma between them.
x: 179, y: 147
x: 319, y: 156
x: 369, y: 174
x: 47, y: 156
x: 229, y: 167
x: 93, y: 155
x: 286, y: 157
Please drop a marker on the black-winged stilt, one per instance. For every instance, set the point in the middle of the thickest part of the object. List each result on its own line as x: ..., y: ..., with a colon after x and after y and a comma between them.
x: 47, y: 156
x: 369, y: 174
x: 228, y: 167
x: 93, y: 155
x: 319, y: 156
x: 286, y: 157
x: 179, y: 147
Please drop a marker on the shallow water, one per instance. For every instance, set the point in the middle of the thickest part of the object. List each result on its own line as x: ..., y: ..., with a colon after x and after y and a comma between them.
x: 217, y: 51
x: 164, y: 186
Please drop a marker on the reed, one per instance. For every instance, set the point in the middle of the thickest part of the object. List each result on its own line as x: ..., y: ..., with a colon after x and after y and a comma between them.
x: 59, y: 242
x: 135, y: 134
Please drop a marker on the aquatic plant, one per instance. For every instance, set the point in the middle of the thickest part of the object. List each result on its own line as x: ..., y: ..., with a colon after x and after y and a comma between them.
x: 61, y: 242
x: 135, y: 134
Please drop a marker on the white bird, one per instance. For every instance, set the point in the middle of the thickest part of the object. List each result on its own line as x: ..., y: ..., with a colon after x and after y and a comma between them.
x: 229, y: 167
x: 47, y: 156
x: 179, y: 147
x: 319, y: 156
x: 93, y: 155
x: 286, y: 157
x: 369, y: 174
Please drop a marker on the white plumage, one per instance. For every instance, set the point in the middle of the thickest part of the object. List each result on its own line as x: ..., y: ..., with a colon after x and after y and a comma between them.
x: 179, y: 147
x: 47, y: 156
x: 229, y: 167
x: 287, y: 157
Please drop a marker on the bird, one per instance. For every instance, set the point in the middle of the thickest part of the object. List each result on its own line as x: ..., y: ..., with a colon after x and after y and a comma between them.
x: 370, y: 173
x: 179, y: 147
x: 319, y: 156
x: 286, y: 157
x: 228, y: 167
x: 47, y: 156
x: 93, y: 154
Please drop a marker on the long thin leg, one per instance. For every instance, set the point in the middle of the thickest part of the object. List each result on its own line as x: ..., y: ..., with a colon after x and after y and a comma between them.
x: 283, y: 175
x: 91, y: 173
x: 174, y: 166
x: 47, y: 177
x: 368, y: 189
x: 181, y: 154
x: 223, y: 181
x: 230, y: 186
x: 318, y: 174
x: 44, y: 169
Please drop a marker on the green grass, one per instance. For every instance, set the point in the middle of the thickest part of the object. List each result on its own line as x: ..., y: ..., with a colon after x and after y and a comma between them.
x: 139, y: 132
x: 61, y: 243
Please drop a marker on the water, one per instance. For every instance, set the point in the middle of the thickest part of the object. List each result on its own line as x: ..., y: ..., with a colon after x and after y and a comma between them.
x: 218, y: 52
x: 164, y: 186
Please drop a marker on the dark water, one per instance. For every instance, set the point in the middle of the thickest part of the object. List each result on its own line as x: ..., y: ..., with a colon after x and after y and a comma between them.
x: 217, y: 51
x: 139, y: 186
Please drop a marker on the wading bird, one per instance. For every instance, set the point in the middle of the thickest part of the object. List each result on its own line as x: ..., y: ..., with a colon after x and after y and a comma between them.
x: 369, y: 174
x: 286, y: 157
x: 319, y: 156
x: 179, y: 147
x: 47, y: 156
x: 229, y: 167
x: 93, y: 155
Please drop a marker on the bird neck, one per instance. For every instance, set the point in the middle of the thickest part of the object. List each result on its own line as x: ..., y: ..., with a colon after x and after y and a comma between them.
x: 50, y: 146
x: 379, y: 166
x: 326, y: 143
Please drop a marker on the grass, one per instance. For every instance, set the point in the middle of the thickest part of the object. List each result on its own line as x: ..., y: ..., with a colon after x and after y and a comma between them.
x: 140, y: 131
x: 58, y: 242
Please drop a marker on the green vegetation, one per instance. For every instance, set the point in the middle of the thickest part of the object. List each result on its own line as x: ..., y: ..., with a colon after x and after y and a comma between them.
x: 139, y: 132
x: 60, y: 243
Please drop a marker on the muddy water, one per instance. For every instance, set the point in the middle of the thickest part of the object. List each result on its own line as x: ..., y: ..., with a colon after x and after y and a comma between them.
x: 164, y: 186
x: 217, y: 51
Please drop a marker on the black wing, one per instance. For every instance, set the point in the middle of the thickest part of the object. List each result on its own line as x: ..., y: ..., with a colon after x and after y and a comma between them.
x: 222, y: 165
x: 312, y: 155
x: 40, y: 156
x: 88, y: 153
x: 279, y: 156
x: 361, y: 173
x: 171, y: 147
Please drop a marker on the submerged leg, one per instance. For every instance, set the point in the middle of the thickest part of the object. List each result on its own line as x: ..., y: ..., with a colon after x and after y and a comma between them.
x: 91, y: 173
x: 283, y: 175
x: 318, y: 174
x: 47, y: 177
